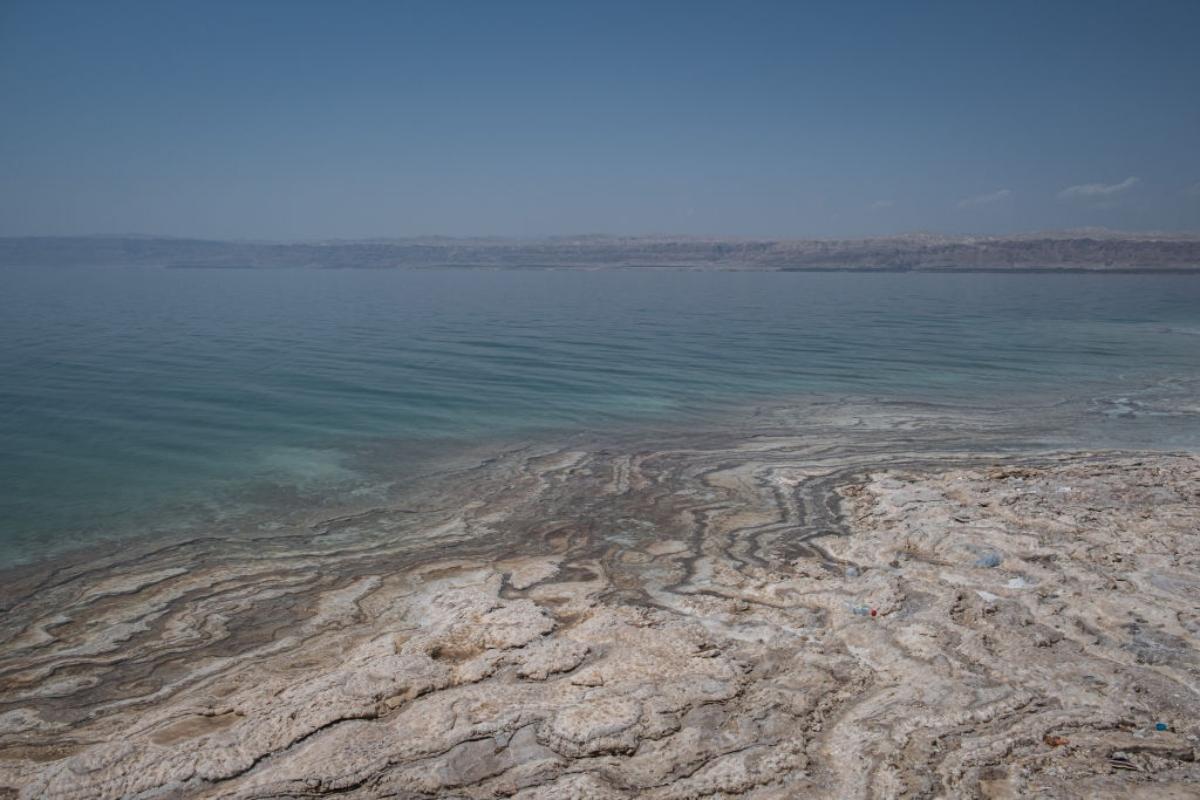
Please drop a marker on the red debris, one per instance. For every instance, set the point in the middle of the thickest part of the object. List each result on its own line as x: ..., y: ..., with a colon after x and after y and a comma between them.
x: 874, y: 612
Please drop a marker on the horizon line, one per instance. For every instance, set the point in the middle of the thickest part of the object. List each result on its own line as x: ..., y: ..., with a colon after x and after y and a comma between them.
x: 1083, y: 232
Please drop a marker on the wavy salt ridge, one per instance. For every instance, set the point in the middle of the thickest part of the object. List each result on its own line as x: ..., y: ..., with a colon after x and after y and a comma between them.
x: 675, y: 621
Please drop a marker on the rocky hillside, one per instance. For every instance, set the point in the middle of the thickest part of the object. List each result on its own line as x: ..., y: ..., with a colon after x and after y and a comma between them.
x: 1086, y: 250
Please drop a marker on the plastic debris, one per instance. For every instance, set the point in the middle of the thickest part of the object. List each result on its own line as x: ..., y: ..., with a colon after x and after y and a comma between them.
x: 988, y: 560
x: 851, y: 572
x: 1161, y: 726
x: 1017, y: 583
x: 860, y: 611
x: 874, y: 612
x: 988, y: 597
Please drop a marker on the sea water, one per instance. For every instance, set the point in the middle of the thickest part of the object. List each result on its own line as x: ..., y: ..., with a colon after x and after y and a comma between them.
x: 129, y: 395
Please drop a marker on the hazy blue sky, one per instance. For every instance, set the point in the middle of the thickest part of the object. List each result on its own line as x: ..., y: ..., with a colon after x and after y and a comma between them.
x: 342, y: 119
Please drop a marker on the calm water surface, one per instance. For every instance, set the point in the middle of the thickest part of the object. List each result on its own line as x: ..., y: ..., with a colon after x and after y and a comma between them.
x: 127, y: 392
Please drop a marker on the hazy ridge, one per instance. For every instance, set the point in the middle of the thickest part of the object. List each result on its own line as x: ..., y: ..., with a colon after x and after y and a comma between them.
x: 1092, y: 250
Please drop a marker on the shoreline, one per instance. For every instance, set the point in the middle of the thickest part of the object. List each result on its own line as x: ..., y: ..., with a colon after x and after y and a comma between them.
x: 675, y: 619
x: 1105, y: 416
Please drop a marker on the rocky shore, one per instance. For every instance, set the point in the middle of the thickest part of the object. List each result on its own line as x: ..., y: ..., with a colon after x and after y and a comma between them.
x: 864, y: 610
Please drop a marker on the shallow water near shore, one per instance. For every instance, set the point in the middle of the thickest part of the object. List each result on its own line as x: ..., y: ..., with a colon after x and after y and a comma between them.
x: 140, y: 399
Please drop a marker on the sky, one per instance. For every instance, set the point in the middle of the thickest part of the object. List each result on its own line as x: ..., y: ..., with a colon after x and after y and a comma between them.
x: 350, y: 119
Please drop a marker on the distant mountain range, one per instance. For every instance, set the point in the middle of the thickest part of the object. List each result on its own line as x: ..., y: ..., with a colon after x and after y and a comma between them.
x: 1089, y: 250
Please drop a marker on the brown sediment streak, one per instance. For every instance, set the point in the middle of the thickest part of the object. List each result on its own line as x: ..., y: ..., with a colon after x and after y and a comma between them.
x: 684, y: 618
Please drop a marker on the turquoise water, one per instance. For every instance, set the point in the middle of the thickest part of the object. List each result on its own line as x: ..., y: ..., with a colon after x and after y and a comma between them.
x: 130, y: 391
